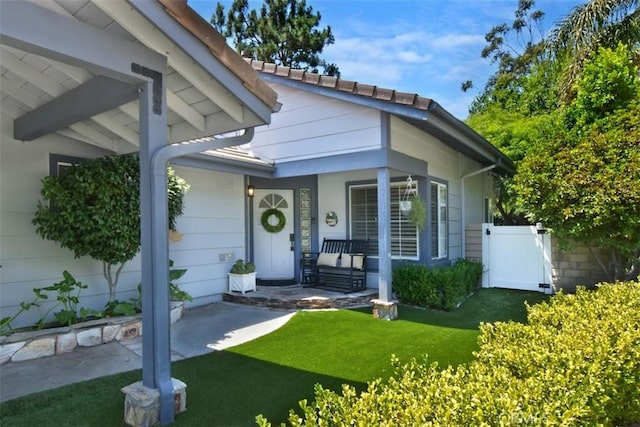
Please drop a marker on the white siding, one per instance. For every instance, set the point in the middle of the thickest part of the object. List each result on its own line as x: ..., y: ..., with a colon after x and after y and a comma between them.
x: 332, y: 196
x: 213, y: 224
x: 310, y: 125
x: 446, y: 164
x: 27, y: 260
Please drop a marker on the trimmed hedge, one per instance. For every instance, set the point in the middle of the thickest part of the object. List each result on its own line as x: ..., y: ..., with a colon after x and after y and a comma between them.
x: 440, y: 287
x: 576, y: 362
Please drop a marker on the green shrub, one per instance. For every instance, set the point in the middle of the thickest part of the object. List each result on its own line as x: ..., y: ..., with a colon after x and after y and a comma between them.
x: 576, y: 362
x: 442, y: 287
x: 240, y: 267
x: 584, y: 349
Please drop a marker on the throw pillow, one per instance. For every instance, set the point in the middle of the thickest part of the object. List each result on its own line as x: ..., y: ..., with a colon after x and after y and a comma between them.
x: 357, y: 260
x: 327, y: 259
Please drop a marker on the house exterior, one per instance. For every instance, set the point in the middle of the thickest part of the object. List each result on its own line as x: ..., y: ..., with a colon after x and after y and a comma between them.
x: 331, y: 153
x: 88, y: 79
x: 343, y: 152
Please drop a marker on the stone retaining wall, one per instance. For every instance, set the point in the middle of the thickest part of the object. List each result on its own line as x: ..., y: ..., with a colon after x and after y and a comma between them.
x: 576, y: 266
x: 29, y: 345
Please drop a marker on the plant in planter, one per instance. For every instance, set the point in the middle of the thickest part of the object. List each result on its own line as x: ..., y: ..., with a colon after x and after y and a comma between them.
x: 67, y: 295
x: 412, y: 206
x: 134, y: 305
x: 417, y: 215
x: 242, y: 277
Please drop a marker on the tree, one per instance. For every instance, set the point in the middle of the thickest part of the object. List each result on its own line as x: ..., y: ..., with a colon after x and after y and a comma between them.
x: 584, y: 182
x: 516, y: 48
x: 283, y: 32
x: 577, y: 158
x: 94, y: 210
x: 596, y: 24
x: 513, y: 111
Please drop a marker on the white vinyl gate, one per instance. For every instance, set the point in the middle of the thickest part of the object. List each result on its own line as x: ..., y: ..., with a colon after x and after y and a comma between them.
x: 516, y: 257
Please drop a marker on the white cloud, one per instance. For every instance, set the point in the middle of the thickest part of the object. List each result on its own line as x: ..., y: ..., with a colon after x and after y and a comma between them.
x: 453, y: 41
x: 412, y: 57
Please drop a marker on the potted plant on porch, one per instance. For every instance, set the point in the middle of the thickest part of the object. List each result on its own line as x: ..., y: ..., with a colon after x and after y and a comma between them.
x: 417, y: 213
x: 412, y: 206
x: 242, y: 277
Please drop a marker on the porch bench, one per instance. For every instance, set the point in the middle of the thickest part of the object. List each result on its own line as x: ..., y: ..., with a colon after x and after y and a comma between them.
x: 341, y: 265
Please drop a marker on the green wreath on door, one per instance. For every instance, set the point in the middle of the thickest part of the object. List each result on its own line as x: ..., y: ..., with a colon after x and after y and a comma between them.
x: 264, y: 220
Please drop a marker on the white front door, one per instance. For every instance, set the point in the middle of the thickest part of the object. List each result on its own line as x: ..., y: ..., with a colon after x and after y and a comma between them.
x: 272, y: 231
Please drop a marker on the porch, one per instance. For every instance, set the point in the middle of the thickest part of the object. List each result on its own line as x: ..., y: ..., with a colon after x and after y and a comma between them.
x: 300, y: 297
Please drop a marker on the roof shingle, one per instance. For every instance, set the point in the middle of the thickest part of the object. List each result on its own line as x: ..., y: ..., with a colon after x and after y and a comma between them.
x: 355, y: 88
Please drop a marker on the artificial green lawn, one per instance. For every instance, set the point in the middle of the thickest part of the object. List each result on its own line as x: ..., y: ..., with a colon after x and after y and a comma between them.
x: 271, y: 374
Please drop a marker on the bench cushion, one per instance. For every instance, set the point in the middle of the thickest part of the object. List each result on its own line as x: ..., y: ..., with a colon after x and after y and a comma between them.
x: 357, y: 261
x: 327, y: 259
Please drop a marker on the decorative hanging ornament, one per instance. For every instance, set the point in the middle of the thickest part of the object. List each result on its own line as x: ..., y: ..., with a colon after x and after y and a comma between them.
x: 407, y: 198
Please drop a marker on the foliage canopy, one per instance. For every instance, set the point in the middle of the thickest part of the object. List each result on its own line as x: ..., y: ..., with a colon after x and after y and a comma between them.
x: 94, y: 210
x: 576, y: 150
x: 283, y: 32
x: 585, y: 182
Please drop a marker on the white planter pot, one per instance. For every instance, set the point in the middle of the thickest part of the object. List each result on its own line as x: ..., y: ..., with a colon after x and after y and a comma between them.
x: 242, y: 282
x: 405, y: 206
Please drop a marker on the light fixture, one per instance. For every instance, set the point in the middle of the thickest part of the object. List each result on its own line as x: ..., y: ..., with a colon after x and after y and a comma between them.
x: 250, y: 190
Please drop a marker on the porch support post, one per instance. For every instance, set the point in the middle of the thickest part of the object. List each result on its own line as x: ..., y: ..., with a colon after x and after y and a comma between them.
x: 384, y: 234
x: 154, y: 225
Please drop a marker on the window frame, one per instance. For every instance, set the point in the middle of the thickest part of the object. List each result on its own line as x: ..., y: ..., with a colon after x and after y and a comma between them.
x: 57, y: 160
x: 439, y: 227
x: 398, y: 186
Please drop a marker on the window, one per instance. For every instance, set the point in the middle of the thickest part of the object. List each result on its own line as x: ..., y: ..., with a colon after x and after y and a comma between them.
x: 364, y: 221
x: 59, y: 164
x: 488, y: 216
x: 438, y: 220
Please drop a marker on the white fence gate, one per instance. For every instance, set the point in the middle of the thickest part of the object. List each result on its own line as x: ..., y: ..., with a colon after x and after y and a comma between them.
x: 516, y: 257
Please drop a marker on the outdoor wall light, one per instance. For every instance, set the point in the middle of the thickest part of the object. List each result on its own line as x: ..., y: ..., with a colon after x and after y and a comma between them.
x: 250, y: 190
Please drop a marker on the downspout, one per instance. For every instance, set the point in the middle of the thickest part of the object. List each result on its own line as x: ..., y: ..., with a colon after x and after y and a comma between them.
x: 162, y: 156
x: 463, y: 209
x: 155, y: 338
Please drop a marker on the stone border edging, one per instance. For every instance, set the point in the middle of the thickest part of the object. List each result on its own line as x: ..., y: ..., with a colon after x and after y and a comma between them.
x: 30, y: 345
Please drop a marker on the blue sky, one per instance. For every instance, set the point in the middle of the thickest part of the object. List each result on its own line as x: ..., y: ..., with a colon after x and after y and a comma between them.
x: 428, y: 47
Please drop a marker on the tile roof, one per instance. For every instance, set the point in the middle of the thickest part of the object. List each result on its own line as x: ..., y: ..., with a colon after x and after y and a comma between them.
x: 217, y: 45
x: 423, y: 113
x: 347, y: 86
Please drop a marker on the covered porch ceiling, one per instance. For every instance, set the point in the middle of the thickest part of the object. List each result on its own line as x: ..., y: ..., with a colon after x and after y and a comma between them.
x: 67, y: 67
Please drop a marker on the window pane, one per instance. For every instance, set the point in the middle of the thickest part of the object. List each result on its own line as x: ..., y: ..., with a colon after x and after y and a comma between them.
x: 434, y: 220
x: 439, y: 209
x: 364, y: 221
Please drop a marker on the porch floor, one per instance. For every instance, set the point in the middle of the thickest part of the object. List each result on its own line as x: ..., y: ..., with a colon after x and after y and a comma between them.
x: 301, y: 297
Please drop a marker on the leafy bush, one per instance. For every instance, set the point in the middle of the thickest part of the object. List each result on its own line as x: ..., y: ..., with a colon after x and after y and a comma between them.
x: 576, y: 362
x: 67, y: 294
x: 442, y: 287
x: 240, y: 267
x: 94, y: 209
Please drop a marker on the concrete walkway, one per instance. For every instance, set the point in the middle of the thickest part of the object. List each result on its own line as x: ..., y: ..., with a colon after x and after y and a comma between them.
x: 201, y: 330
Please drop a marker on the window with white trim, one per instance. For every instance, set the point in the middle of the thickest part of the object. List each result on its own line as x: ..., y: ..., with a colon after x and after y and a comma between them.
x: 439, y: 241
x: 363, y: 204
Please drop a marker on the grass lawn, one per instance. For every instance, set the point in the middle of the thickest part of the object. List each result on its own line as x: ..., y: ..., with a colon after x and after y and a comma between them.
x: 271, y: 374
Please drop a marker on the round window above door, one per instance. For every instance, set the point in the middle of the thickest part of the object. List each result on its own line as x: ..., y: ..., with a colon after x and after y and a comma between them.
x: 273, y: 200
